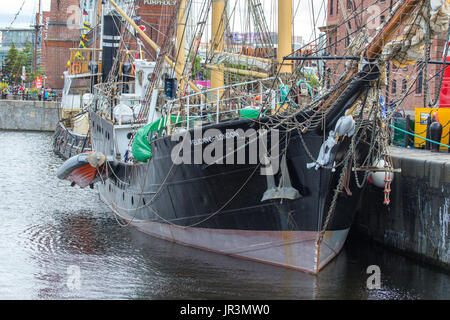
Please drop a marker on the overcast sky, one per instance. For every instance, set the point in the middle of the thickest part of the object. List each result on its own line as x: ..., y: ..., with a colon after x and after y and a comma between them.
x: 302, y: 23
x: 25, y: 19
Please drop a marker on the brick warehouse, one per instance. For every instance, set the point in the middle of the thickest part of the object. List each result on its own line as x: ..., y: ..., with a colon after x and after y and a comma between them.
x: 58, y: 39
x: 400, y: 79
x: 156, y: 19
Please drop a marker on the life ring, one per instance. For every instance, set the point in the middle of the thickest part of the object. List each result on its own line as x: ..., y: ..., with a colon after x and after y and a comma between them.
x: 76, y: 68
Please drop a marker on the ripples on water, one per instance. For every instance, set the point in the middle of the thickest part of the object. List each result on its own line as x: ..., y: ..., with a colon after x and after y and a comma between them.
x: 46, y: 226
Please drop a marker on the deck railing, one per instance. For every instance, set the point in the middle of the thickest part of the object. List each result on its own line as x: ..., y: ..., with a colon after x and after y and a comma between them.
x: 224, y: 103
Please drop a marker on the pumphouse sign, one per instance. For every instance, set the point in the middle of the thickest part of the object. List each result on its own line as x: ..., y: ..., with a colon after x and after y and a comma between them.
x: 160, y: 2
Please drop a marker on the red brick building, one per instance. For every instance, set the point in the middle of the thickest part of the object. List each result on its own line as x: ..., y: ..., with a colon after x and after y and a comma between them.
x: 58, y: 38
x: 157, y: 20
x: 345, y: 16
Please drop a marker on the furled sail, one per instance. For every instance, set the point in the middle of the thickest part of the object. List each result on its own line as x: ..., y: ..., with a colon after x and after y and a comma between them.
x: 405, y: 51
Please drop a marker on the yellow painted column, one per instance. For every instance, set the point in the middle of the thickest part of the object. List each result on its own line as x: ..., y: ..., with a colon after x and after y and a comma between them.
x: 217, y: 38
x: 284, y: 33
x: 181, y: 42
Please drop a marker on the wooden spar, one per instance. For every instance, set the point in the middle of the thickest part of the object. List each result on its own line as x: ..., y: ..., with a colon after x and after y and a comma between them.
x: 217, y: 35
x: 237, y: 71
x: 389, y: 30
x: 181, y: 25
x: 284, y: 34
x: 151, y: 43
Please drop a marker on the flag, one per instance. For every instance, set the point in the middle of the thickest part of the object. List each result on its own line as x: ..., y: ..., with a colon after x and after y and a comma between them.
x: 82, y: 44
x: 79, y: 55
x: 87, y: 26
x: 85, y: 12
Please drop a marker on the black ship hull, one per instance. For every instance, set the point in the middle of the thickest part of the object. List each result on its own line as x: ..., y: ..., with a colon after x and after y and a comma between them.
x: 67, y: 144
x: 220, y: 207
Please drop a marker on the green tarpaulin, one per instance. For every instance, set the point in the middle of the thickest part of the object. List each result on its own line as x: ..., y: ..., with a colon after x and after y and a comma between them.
x: 142, y: 149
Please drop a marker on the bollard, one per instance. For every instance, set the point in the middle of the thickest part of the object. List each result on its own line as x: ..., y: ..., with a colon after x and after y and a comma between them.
x: 427, y: 143
x: 435, y: 134
x: 406, y: 143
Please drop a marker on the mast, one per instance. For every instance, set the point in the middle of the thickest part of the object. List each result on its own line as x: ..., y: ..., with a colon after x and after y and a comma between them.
x: 151, y: 42
x: 181, y: 36
x: 217, y: 35
x: 284, y: 34
x: 38, y: 28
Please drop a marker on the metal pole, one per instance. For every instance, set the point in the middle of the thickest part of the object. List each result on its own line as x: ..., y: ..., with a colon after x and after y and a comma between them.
x: 217, y: 107
x: 38, y: 27
x: 187, y: 112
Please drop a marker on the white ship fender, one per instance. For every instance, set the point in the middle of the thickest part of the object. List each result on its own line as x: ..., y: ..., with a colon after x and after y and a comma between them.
x: 378, y: 178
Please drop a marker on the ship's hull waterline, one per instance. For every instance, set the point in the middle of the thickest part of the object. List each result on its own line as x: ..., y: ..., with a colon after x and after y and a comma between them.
x: 220, y: 207
x: 290, y: 249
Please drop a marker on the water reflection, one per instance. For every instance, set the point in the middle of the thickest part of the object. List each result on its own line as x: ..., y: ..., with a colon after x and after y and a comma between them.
x: 46, y: 226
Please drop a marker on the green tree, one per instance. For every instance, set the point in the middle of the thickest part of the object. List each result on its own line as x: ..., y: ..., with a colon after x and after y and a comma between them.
x: 11, y: 60
x: 26, y: 57
x: 16, y: 60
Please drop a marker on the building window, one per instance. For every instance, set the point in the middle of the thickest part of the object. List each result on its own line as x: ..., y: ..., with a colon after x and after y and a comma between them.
x: 404, y: 85
x: 382, y: 19
x: 335, y: 45
x: 330, y: 45
x: 394, y: 87
x: 328, y: 78
x: 419, y: 83
x: 331, y: 7
x: 349, y: 4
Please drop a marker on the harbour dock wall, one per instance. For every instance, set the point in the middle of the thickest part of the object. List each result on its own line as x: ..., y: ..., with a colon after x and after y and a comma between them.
x: 416, y: 222
x: 28, y: 115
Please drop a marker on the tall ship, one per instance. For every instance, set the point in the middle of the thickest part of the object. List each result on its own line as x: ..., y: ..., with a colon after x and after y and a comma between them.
x: 248, y: 155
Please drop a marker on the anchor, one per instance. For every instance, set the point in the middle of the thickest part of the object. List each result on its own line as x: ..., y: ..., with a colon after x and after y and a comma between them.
x: 285, y: 189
